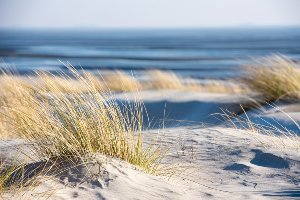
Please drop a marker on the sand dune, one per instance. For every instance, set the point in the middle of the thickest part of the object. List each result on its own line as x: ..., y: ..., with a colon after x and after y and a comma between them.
x: 211, y: 162
x: 224, y: 163
x: 183, y: 108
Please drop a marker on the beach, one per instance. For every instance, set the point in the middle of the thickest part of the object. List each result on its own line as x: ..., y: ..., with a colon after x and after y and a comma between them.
x: 210, y: 162
x: 150, y: 115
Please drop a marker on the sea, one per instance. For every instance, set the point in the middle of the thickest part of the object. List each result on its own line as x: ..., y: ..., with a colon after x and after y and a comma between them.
x: 207, y: 53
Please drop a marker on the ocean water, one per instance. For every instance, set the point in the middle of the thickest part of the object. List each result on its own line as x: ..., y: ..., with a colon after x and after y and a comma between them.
x: 199, y: 53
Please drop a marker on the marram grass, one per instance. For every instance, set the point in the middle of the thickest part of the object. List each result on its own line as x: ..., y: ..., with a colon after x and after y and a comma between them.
x: 275, y: 77
x: 118, y: 81
x: 72, y: 125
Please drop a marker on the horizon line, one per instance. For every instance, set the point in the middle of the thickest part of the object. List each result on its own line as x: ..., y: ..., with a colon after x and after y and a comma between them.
x: 152, y: 28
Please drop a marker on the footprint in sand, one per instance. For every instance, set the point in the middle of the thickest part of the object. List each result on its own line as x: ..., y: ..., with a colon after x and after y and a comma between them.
x: 269, y: 160
x: 238, y: 167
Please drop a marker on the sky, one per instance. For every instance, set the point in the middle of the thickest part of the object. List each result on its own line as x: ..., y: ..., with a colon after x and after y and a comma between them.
x: 147, y: 13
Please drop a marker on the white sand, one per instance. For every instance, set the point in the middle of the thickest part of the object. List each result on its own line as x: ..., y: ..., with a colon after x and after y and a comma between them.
x: 216, y: 163
x: 184, y: 108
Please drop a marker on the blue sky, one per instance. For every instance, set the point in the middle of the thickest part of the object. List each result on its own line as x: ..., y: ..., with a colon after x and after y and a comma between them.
x: 147, y: 13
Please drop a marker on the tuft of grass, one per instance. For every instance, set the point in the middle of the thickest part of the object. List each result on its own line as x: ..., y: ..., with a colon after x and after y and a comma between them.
x: 220, y: 87
x: 10, y: 87
x: 115, y: 81
x: 165, y: 80
x: 275, y: 77
x: 71, y: 125
x: 64, y: 83
x: 120, y: 81
x: 169, y: 80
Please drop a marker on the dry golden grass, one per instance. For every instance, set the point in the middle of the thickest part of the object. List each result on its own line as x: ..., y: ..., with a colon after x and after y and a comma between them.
x: 120, y: 81
x: 72, y: 125
x: 63, y: 83
x: 220, y: 87
x: 275, y: 77
x: 164, y: 80
x: 72, y: 117
x: 169, y: 80
x: 10, y: 95
x: 117, y: 81
x: 13, y: 88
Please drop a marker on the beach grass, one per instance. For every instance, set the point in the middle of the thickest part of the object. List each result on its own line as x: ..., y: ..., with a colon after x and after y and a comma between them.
x: 223, y: 88
x: 5, y: 173
x: 72, y: 125
x: 119, y: 81
x: 275, y: 77
x: 166, y: 80
x: 18, y: 177
x: 8, y: 172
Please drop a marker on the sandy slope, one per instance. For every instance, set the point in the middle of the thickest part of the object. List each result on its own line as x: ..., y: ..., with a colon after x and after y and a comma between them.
x: 215, y: 162
x: 183, y: 108
x: 218, y: 163
x: 285, y: 114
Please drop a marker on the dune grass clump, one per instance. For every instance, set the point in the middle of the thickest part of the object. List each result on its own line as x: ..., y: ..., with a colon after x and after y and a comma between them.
x: 120, y: 81
x: 169, y: 80
x: 64, y: 83
x: 11, y: 96
x: 275, y: 77
x: 165, y: 80
x: 225, y: 88
x: 117, y: 81
x: 71, y: 126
